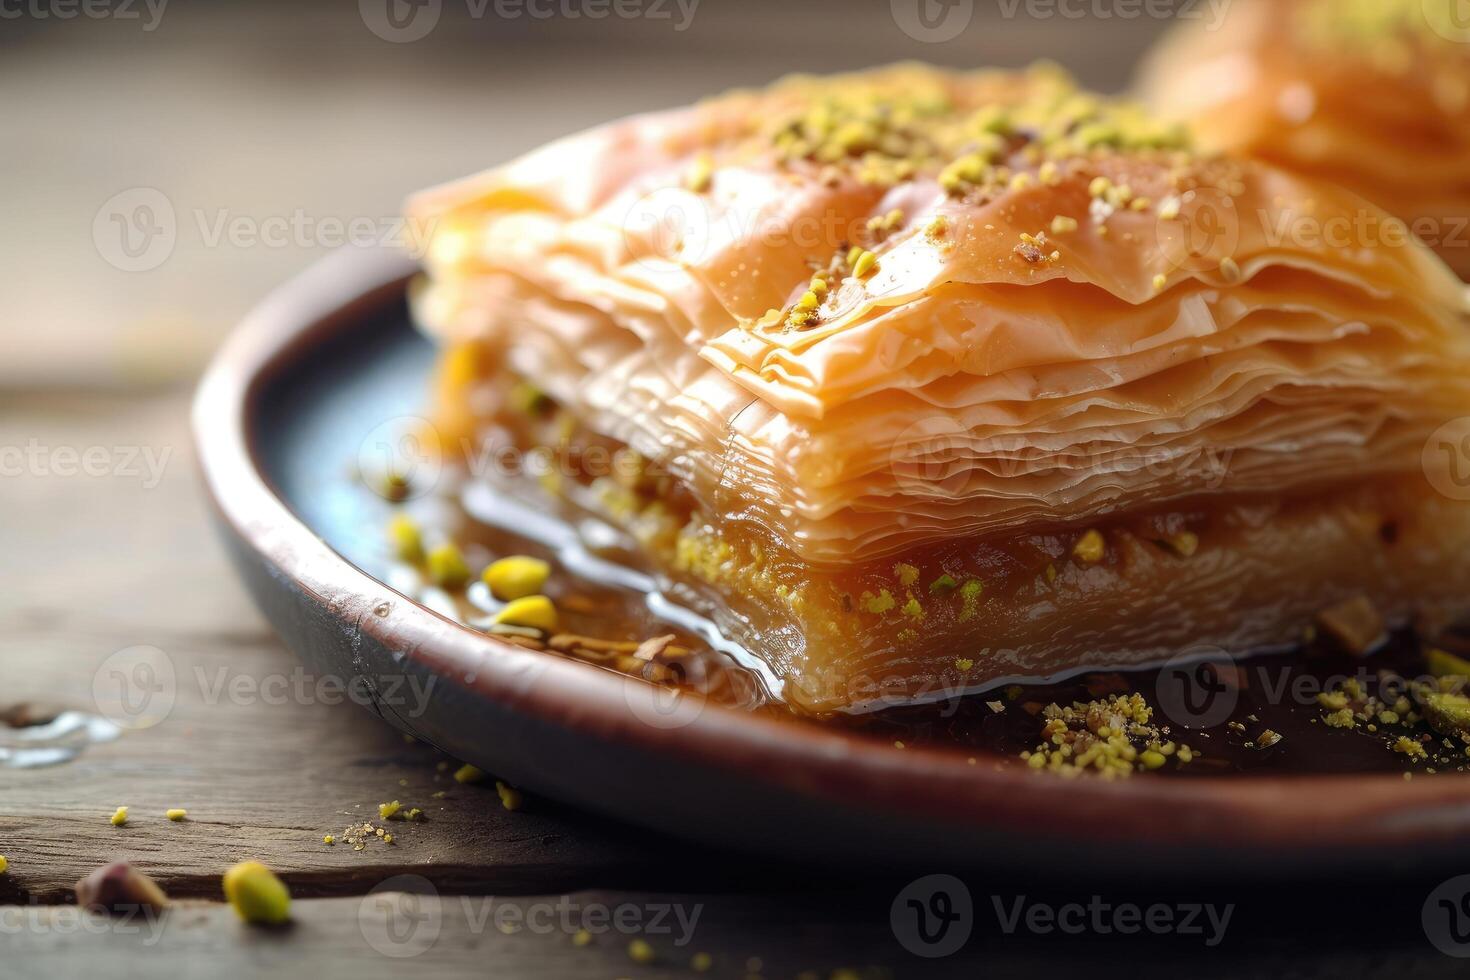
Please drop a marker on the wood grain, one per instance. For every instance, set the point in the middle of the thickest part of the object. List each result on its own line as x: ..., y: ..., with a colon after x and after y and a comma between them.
x: 265, y: 757
x: 94, y: 565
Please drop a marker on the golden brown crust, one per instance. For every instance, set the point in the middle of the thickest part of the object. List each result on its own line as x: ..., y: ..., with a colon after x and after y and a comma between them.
x: 864, y: 312
x: 1371, y: 94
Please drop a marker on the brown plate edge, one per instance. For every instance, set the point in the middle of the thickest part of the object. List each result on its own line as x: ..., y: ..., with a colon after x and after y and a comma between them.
x: 778, y: 778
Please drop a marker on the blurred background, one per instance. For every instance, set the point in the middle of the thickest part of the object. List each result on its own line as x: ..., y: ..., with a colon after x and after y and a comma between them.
x: 165, y: 162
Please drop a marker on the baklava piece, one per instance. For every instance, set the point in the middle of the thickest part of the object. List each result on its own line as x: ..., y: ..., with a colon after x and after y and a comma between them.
x: 1371, y: 94
x: 918, y: 381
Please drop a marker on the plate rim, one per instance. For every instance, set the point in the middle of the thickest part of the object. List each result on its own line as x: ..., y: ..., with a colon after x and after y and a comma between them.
x: 1299, y: 814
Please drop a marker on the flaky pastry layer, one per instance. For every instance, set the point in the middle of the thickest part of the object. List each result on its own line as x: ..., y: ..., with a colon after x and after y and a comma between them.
x: 863, y: 314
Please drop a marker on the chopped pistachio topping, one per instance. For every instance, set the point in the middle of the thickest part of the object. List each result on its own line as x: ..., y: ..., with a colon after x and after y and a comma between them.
x: 880, y: 603
x: 447, y: 567
x: 701, y: 173
x: 534, y: 612
x: 1445, y: 664
x: 176, y: 814
x: 516, y: 577
x: 386, y: 811
x: 1184, y: 543
x: 1410, y: 747
x: 1112, y: 737
x: 973, y: 133
x: 1090, y: 547
x: 403, y: 534
x: 259, y: 897
x: 944, y: 583
x: 1448, y: 714
x: 865, y: 265
x: 510, y: 797
x: 1034, y: 249
x: 468, y: 774
x: 1062, y: 224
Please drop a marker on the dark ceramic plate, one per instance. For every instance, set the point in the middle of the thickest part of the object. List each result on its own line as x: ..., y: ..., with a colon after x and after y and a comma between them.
x: 279, y: 419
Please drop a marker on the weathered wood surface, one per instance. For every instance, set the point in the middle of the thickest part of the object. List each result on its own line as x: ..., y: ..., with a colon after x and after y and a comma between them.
x: 265, y: 757
x: 98, y: 564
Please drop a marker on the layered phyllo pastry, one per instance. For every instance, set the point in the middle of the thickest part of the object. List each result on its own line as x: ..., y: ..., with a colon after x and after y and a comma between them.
x: 1371, y: 94
x: 918, y: 382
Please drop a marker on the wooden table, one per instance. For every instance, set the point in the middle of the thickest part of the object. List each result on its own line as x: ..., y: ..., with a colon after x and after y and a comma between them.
x: 98, y: 564
x: 211, y: 108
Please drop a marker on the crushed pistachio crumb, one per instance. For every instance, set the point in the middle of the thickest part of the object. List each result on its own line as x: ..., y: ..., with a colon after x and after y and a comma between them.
x: 1090, y: 547
x: 1410, y: 747
x: 176, y: 814
x: 510, y: 797
x: 1111, y: 737
x: 404, y: 535
x: 468, y: 774
x: 944, y: 583
x: 328, y: 839
x: 533, y: 612
x: 880, y: 603
x: 258, y: 896
x: 639, y: 951
x: 119, y: 816
x: 1062, y: 224
x: 447, y: 567
x: 516, y: 577
x: 701, y: 173
x: 386, y: 811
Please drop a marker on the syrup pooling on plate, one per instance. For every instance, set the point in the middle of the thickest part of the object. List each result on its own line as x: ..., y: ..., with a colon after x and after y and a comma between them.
x: 1344, y: 700
x: 608, y: 611
x: 946, y: 366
